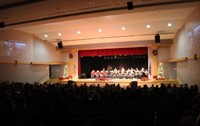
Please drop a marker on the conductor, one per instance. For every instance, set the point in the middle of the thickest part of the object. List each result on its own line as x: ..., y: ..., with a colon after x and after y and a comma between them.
x: 109, y: 68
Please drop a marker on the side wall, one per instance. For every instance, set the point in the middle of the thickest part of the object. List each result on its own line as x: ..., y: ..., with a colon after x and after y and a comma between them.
x: 186, y: 44
x: 168, y: 68
x: 35, y: 50
x: 162, y: 56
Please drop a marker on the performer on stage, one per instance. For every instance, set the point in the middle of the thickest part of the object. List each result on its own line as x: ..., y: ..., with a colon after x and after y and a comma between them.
x: 137, y: 72
x: 115, y: 73
x: 123, y: 71
x: 93, y: 74
x: 130, y: 73
x: 109, y: 68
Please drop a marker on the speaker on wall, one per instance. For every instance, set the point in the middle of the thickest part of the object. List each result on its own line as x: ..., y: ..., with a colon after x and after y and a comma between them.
x: 157, y: 38
x: 60, y: 45
x: 130, y: 5
x: 2, y: 24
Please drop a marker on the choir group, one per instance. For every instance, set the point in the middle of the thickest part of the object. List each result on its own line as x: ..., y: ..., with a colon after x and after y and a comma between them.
x: 129, y: 73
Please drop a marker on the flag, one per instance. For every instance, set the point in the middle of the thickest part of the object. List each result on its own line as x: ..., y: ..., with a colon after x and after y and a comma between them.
x: 150, y: 70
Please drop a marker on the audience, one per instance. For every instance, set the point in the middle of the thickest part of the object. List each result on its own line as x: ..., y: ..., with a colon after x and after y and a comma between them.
x: 24, y: 104
x: 100, y: 121
x: 197, y: 121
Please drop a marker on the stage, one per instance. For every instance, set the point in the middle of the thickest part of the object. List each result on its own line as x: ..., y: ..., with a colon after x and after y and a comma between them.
x: 122, y: 82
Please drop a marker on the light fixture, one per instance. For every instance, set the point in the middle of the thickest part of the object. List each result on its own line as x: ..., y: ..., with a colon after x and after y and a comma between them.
x: 59, y: 34
x: 148, y: 26
x: 123, y: 28
x: 100, y: 30
x: 78, y: 32
x: 45, y: 35
x: 91, y: 2
x: 169, y: 24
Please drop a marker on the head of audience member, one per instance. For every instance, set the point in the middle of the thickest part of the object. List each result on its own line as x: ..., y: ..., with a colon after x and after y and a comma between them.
x: 195, y: 110
x: 187, y: 121
x: 197, y: 121
x: 100, y: 121
x: 134, y: 84
x: 7, y: 106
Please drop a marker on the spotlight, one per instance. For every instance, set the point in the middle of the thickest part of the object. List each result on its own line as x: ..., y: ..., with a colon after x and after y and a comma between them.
x: 130, y: 5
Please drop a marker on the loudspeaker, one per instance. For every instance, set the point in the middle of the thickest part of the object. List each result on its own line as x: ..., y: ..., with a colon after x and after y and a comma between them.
x: 60, y: 45
x: 157, y: 38
x: 2, y: 24
x: 130, y: 5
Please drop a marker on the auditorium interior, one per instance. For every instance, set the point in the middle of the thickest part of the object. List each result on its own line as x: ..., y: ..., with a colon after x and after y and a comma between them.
x: 100, y: 62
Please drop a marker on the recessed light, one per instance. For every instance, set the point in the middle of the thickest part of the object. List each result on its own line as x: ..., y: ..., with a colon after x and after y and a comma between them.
x: 59, y: 34
x: 100, y: 30
x: 45, y: 35
x: 169, y: 24
x: 91, y: 2
x: 78, y: 32
x: 123, y: 28
x: 148, y: 26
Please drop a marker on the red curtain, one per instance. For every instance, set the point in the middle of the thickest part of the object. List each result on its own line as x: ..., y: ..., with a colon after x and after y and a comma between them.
x: 113, y: 52
x: 110, y: 52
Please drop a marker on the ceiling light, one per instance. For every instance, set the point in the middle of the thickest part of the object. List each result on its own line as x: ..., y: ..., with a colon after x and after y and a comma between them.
x: 78, y: 32
x: 46, y: 36
x: 123, y: 28
x: 59, y: 34
x: 100, y: 30
x: 169, y: 24
x: 91, y: 2
x: 148, y: 26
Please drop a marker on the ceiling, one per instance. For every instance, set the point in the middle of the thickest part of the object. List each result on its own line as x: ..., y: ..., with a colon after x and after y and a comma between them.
x: 79, y: 21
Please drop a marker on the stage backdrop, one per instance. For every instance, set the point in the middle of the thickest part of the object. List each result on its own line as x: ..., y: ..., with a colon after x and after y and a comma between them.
x: 117, y: 58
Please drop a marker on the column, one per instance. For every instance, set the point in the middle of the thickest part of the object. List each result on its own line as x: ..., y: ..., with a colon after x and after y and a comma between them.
x: 153, y: 60
x: 71, y: 62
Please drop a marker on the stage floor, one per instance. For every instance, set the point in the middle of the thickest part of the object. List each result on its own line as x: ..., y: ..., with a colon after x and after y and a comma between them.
x: 122, y: 82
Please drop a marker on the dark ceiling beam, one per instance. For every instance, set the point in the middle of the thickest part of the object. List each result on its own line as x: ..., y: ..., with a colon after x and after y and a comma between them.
x: 146, y: 43
x: 165, y: 3
x: 18, y: 4
x: 111, y: 37
x: 100, y: 11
